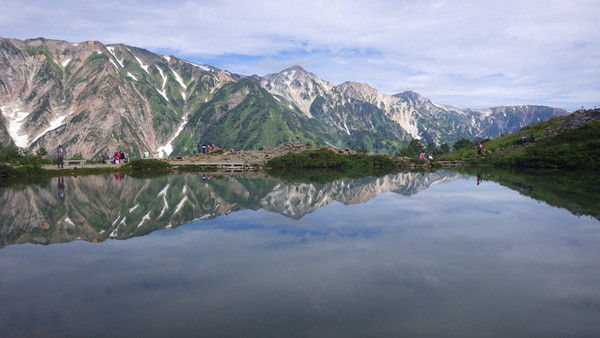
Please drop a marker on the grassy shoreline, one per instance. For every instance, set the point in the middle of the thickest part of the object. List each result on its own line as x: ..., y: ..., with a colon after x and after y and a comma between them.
x: 548, y: 144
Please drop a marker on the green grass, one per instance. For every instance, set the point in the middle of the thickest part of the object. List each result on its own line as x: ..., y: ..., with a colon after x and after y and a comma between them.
x: 545, y: 147
x: 574, y: 190
x: 328, y: 159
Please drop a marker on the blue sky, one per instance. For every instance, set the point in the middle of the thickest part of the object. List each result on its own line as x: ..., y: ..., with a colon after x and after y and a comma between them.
x: 464, y: 53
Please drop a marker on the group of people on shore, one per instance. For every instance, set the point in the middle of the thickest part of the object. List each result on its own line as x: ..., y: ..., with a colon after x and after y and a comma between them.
x: 425, y: 156
x: 204, y: 148
x: 117, y: 158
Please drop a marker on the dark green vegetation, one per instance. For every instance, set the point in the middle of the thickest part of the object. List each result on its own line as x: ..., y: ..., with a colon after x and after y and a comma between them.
x: 415, y: 147
x: 149, y: 165
x: 575, y: 190
x: 16, y: 163
x: 8, y: 171
x: 324, y: 165
x: 328, y: 159
x: 243, y: 115
x: 561, y: 142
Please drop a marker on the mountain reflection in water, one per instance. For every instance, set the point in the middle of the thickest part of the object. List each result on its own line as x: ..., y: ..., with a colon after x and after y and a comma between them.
x: 95, y: 208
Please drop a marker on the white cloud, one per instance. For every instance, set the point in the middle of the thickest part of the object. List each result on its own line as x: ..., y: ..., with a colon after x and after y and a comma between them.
x: 537, y: 50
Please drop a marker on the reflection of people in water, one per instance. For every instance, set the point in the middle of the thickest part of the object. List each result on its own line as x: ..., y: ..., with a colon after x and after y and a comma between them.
x: 119, y: 176
x: 479, y: 179
x: 61, y: 188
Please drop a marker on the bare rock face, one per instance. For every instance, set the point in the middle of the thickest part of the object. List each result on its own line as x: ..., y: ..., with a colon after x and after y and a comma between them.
x: 93, y: 98
x: 581, y: 117
x: 298, y: 86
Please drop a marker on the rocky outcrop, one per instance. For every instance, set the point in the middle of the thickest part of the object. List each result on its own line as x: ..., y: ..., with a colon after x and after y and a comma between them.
x: 581, y: 117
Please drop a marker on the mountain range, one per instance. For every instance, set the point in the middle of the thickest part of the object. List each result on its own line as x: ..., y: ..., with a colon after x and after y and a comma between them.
x: 92, y: 98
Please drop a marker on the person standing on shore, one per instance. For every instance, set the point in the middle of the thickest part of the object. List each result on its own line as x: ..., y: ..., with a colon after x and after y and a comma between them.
x: 60, y: 157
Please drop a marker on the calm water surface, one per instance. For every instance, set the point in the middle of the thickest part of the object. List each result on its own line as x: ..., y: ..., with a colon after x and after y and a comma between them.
x: 409, y: 254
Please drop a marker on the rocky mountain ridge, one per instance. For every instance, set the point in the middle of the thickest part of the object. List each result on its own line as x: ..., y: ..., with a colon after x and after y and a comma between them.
x: 93, y: 98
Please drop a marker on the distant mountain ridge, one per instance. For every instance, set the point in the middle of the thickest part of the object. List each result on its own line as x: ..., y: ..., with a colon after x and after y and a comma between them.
x: 93, y: 98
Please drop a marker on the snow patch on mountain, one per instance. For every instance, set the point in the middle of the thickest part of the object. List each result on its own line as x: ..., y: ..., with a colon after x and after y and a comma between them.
x: 55, y: 123
x: 144, y: 219
x: 131, y: 76
x: 144, y: 67
x: 204, y: 68
x: 65, y: 62
x: 114, y: 233
x: 15, y: 117
x: 163, y: 193
x: 167, y: 149
x: 132, y: 209
x: 180, y: 204
x: 163, y: 92
x: 179, y: 79
x: 114, y: 64
x: 112, y: 51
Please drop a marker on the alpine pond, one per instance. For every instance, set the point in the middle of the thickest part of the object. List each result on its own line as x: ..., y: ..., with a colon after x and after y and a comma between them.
x: 416, y: 253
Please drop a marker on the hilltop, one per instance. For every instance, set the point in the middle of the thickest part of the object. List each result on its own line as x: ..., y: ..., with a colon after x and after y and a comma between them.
x: 571, y: 141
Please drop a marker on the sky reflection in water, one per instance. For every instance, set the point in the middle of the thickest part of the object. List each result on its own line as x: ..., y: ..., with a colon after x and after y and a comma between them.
x: 455, y: 259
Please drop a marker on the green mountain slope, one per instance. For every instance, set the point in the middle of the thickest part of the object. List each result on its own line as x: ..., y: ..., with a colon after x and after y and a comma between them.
x: 243, y: 115
x: 571, y: 141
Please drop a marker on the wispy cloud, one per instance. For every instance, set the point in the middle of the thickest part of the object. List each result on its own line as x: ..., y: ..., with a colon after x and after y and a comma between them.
x: 467, y: 53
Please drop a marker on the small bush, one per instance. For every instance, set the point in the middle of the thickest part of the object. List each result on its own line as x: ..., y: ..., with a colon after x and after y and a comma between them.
x: 148, y: 165
x: 328, y: 159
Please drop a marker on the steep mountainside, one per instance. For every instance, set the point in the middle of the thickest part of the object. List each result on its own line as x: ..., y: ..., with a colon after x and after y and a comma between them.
x: 93, y: 98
